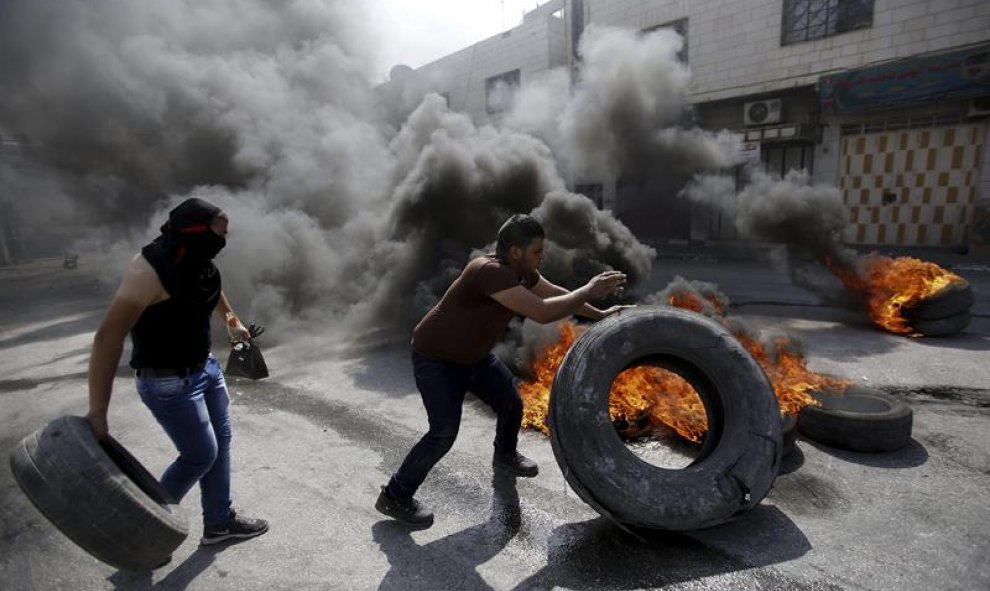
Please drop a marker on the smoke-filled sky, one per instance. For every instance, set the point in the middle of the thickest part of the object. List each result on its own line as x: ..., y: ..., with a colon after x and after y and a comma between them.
x: 266, y: 108
x: 417, y: 33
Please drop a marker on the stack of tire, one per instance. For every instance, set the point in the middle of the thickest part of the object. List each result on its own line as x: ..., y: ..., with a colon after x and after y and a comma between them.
x: 945, y: 313
x: 99, y: 495
x: 740, y: 454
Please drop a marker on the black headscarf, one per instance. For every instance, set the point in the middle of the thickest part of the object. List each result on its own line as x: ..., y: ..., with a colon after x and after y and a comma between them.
x: 187, y: 237
x: 183, y: 253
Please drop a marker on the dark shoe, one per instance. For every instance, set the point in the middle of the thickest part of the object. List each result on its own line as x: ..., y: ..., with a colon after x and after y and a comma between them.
x: 234, y: 528
x: 409, y: 512
x: 516, y: 464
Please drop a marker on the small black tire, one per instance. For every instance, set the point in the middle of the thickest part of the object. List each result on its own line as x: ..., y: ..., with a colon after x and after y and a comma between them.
x: 788, y: 433
x: 98, y: 495
x: 955, y: 299
x: 862, y: 419
x: 740, y: 454
x: 942, y: 326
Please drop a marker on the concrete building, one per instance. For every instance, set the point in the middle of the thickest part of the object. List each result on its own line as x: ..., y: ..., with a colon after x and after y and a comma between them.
x: 479, y: 79
x: 885, y: 99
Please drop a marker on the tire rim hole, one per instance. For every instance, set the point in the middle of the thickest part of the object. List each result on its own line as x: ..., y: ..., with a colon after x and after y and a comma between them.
x: 659, y: 411
x: 129, y: 466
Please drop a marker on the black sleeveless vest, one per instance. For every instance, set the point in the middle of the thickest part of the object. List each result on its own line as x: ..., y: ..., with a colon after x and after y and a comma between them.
x: 175, y: 333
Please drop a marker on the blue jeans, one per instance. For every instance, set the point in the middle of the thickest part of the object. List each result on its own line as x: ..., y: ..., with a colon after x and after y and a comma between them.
x: 443, y: 386
x: 193, y: 411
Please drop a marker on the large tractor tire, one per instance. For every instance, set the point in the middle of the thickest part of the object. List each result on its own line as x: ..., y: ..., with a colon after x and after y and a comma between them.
x: 740, y: 455
x: 98, y: 495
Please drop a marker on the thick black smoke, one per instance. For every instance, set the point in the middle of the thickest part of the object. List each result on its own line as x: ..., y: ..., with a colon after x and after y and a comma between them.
x: 807, y: 219
x: 133, y: 102
x: 338, y: 217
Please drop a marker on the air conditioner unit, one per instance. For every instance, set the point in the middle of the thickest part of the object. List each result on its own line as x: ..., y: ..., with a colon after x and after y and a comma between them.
x: 979, y: 107
x: 762, y: 112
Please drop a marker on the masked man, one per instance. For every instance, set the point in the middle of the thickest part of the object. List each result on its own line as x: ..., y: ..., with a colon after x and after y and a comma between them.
x: 165, y: 301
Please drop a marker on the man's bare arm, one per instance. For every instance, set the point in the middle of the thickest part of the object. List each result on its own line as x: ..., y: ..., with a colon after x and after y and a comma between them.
x: 139, y: 289
x: 549, y: 309
x: 546, y: 289
x: 235, y: 328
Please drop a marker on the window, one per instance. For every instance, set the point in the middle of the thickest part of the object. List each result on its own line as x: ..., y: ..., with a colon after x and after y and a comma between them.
x: 805, y: 20
x: 593, y: 191
x: 680, y: 26
x: 499, y: 91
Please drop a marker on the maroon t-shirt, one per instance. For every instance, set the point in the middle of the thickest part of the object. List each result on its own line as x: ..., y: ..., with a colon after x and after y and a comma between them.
x: 467, y: 322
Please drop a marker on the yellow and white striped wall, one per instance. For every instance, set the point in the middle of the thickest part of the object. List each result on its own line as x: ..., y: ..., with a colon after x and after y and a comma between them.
x: 911, y: 187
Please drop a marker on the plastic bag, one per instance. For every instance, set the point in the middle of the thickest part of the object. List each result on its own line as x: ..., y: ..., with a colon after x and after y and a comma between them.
x: 245, y: 358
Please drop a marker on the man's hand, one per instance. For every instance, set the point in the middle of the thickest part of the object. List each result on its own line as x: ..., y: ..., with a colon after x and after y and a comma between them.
x: 236, y: 331
x: 615, y: 310
x: 604, y: 284
x: 98, y: 422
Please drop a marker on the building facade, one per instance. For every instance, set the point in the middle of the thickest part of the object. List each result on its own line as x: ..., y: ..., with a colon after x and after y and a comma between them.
x: 885, y: 99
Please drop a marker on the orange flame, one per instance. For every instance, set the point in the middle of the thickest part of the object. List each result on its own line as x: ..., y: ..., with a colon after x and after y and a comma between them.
x: 892, y: 285
x: 646, y: 399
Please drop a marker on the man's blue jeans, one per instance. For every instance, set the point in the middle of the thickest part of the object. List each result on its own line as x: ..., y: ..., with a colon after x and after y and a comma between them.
x: 443, y: 386
x: 193, y: 411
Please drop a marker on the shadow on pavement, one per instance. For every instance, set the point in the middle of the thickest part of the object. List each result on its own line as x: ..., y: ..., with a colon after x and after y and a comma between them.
x: 179, y: 578
x: 596, y: 554
x: 966, y: 340
x: 910, y: 456
x: 849, y: 343
x: 17, y: 385
x: 452, y: 561
x: 387, y: 370
x: 56, y: 330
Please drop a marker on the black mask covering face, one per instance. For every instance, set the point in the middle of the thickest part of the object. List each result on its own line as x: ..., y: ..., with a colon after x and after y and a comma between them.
x: 188, y: 239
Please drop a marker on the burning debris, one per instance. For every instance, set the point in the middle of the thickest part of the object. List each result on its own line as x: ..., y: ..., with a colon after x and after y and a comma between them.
x: 649, y: 401
x: 809, y: 221
x: 895, y: 289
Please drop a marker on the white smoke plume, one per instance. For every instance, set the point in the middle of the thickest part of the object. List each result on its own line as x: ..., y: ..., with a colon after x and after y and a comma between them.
x: 625, y: 113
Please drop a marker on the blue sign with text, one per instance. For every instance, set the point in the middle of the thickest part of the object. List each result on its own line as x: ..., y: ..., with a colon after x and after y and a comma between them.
x: 958, y: 74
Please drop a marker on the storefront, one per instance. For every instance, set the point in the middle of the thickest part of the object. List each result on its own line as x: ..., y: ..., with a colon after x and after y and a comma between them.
x: 911, y: 147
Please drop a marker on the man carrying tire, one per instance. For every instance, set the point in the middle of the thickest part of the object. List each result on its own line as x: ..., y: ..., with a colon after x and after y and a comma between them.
x: 452, y: 354
x: 165, y: 301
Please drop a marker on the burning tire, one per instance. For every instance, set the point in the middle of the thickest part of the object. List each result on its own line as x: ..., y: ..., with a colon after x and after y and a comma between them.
x: 954, y: 300
x: 98, y: 495
x: 740, y: 454
x: 941, y: 327
x: 862, y: 419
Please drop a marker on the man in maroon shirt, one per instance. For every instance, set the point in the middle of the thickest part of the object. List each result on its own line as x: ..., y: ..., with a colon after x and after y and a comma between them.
x: 452, y: 354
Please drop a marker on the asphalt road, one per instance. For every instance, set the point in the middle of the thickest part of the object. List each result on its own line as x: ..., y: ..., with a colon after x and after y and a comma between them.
x: 313, y: 443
